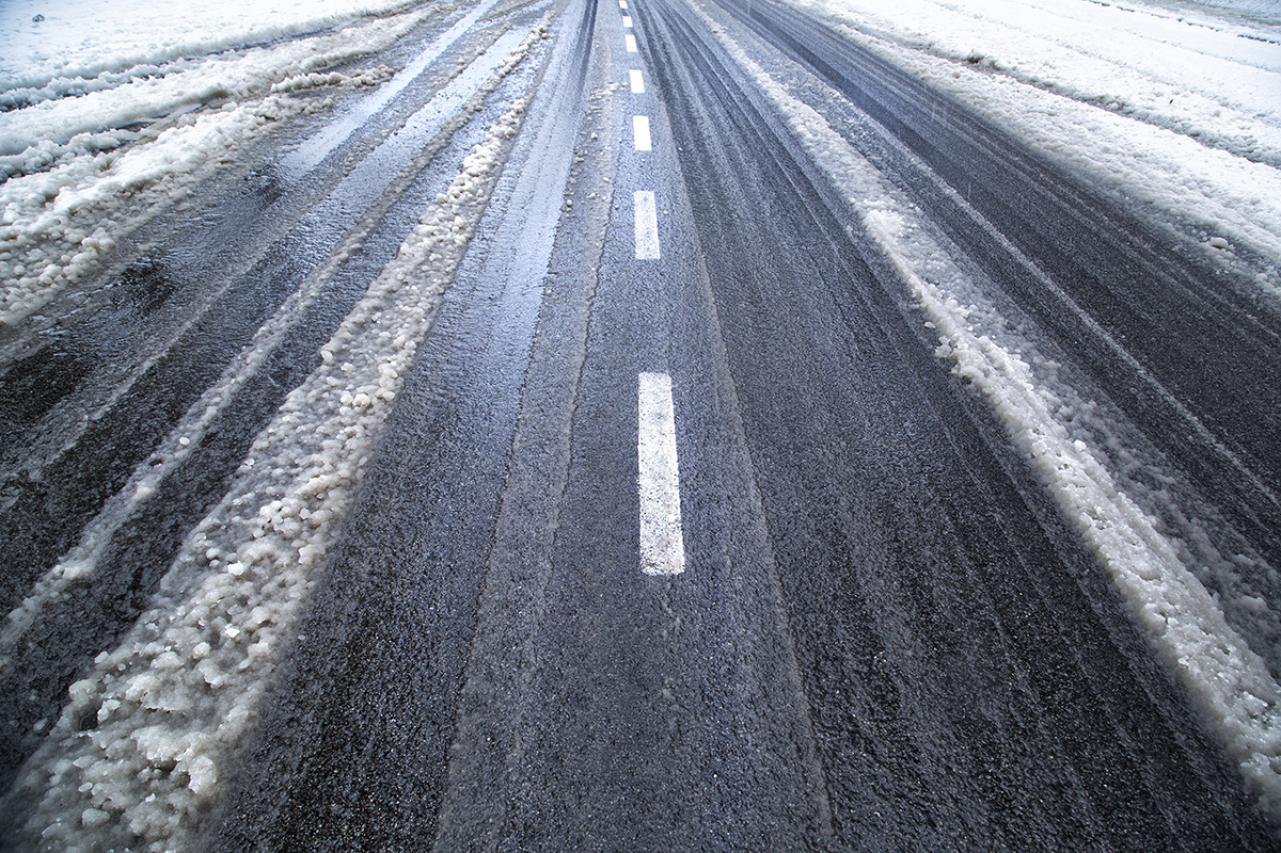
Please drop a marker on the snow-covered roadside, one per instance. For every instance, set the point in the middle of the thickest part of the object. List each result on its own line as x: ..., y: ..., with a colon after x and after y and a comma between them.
x: 1229, y: 683
x: 80, y: 180
x: 1178, y: 116
x: 175, y: 697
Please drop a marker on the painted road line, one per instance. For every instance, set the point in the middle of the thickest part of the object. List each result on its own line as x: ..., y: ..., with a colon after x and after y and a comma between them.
x: 622, y: 4
x: 640, y: 133
x: 638, y: 82
x: 627, y: 20
x: 662, y: 547
x: 646, y: 215
x: 631, y: 43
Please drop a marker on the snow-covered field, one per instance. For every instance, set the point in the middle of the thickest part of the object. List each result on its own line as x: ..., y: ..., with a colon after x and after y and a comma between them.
x: 1174, y: 106
x: 112, y: 108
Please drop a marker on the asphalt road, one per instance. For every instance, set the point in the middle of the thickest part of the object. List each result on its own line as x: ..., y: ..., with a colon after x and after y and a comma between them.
x: 875, y: 631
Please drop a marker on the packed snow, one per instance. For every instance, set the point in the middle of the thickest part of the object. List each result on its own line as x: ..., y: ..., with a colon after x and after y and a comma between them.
x: 446, y: 111
x: 1155, y: 573
x: 1177, y: 114
x: 1213, y: 13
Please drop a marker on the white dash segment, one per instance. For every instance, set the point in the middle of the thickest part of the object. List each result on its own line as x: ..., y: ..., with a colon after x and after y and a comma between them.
x: 640, y: 133
x: 637, y: 81
x: 662, y: 546
x: 646, y: 214
x: 627, y: 20
x: 630, y: 41
x: 622, y: 4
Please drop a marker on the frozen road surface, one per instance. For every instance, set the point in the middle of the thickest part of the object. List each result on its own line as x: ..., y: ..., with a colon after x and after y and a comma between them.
x: 640, y: 425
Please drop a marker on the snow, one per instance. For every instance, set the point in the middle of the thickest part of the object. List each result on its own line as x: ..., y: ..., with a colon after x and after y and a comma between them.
x: 448, y: 107
x: 118, y: 107
x: 1212, y: 13
x: 230, y: 76
x: 83, y: 169
x: 338, y: 130
x: 1155, y: 573
x: 1180, y: 115
x: 82, y: 39
x: 1211, y: 84
x: 174, y: 699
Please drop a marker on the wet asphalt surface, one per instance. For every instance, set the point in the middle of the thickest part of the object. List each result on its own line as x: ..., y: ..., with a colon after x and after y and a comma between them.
x: 885, y: 636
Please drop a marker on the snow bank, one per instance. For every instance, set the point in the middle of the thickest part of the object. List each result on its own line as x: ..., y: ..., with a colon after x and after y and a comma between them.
x: 80, y: 39
x: 1182, y: 116
x: 175, y: 698
x: 1228, y: 682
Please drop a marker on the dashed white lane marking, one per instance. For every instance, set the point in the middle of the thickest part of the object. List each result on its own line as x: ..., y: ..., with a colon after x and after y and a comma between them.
x: 638, y: 82
x: 640, y: 133
x: 646, y: 225
x: 662, y: 547
x: 631, y: 43
x: 627, y: 20
x: 622, y: 4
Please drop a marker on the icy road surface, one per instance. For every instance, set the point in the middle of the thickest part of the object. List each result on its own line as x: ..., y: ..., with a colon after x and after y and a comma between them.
x: 640, y: 425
